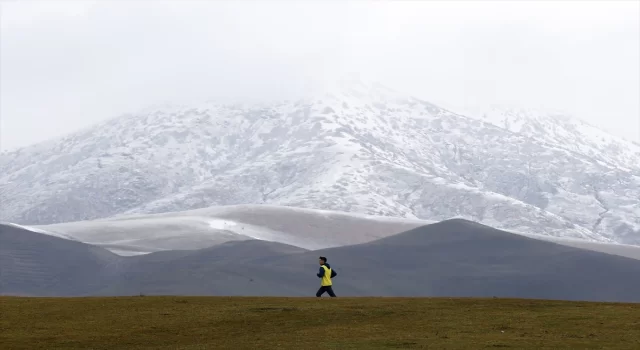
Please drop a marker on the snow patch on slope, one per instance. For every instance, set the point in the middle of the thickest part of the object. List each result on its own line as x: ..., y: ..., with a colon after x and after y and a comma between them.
x: 219, y: 224
x: 38, y: 230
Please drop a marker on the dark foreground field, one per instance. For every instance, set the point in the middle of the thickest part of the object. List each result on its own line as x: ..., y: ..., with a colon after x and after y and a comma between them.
x: 296, y: 323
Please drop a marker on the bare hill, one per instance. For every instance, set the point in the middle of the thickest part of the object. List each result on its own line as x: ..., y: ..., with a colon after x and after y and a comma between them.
x: 451, y: 258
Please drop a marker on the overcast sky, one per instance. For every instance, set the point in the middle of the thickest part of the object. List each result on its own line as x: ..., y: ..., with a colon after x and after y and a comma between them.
x: 67, y: 65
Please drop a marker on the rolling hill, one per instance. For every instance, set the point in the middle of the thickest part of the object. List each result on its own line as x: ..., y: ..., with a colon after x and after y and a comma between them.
x: 41, y: 265
x: 202, y: 228
x: 449, y: 258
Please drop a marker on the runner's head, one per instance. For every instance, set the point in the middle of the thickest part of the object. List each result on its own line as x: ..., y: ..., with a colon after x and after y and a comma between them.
x: 323, y: 260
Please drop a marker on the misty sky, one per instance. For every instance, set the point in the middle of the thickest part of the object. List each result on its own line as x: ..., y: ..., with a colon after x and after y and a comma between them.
x: 67, y: 65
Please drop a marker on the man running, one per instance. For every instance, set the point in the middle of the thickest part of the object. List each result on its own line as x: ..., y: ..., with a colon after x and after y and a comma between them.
x: 325, y: 274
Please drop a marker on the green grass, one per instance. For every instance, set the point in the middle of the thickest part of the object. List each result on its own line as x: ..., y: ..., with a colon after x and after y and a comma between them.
x: 305, y: 323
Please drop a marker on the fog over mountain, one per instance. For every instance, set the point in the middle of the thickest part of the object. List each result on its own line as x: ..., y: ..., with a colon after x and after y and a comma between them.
x: 64, y: 66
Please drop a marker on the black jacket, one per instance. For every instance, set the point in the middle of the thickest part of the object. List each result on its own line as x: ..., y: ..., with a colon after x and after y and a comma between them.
x: 321, y: 271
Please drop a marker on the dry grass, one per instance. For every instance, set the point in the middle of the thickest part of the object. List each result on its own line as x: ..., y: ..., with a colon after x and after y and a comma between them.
x: 302, y: 323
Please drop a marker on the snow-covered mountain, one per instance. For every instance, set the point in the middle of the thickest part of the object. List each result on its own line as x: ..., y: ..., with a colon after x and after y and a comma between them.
x: 559, y: 128
x: 360, y: 148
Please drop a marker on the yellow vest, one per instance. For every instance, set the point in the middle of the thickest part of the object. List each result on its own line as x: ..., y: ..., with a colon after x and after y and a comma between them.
x: 326, y: 279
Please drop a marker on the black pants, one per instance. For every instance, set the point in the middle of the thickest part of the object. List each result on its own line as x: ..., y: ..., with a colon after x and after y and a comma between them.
x: 327, y: 289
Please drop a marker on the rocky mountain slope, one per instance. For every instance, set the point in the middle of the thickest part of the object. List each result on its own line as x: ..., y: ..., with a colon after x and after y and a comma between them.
x: 358, y: 148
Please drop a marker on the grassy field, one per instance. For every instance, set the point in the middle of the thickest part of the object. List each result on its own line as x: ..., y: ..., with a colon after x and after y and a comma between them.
x: 301, y: 323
